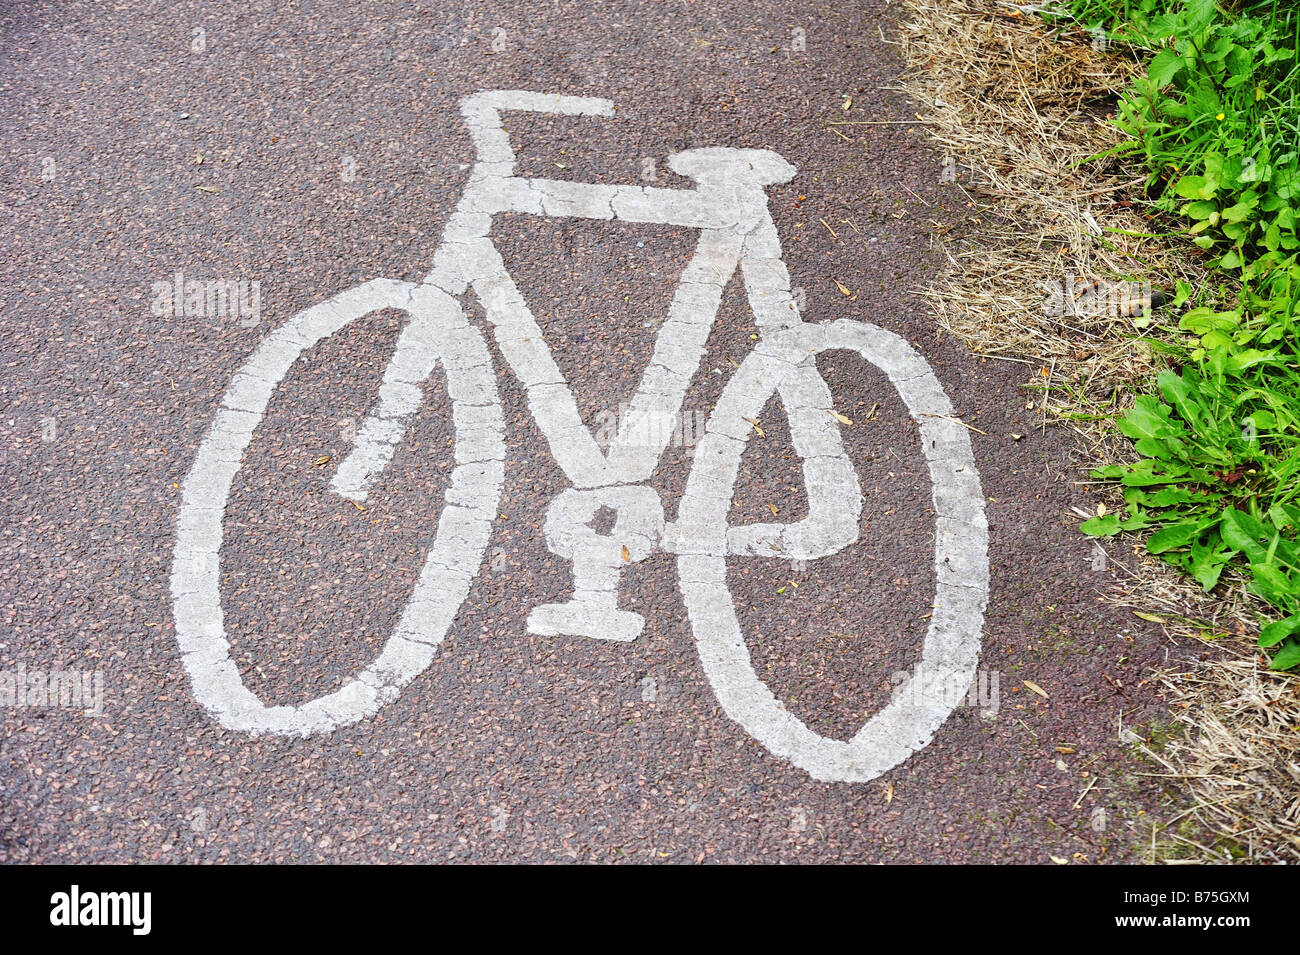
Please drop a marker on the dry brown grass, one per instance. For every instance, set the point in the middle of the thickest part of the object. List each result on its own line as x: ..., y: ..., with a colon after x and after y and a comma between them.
x: 1239, y: 761
x: 1019, y: 106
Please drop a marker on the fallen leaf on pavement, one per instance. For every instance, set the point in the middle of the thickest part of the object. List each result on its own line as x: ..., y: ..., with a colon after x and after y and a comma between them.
x: 1153, y: 617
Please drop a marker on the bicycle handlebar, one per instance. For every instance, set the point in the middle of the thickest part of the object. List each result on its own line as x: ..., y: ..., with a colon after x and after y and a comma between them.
x: 709, y: 167
x: 482, y: 112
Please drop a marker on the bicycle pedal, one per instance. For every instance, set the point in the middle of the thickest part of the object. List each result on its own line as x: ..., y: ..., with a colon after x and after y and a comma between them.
x: 586, y: 616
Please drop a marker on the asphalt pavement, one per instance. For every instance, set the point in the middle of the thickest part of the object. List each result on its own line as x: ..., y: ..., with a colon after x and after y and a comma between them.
x: 306, y: 149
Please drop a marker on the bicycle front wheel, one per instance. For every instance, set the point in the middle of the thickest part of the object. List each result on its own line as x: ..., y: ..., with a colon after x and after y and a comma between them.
x: 437, y: 333
x: 783, y: 362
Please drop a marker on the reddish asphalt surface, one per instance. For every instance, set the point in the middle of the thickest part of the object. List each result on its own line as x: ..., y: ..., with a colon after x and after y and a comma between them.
x: 134, y: 147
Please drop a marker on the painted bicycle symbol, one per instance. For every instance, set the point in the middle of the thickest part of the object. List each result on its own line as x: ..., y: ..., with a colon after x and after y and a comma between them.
x: 728, y: 206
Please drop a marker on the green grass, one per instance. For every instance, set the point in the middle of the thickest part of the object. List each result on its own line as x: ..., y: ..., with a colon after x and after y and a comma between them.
x: 1216, y: 123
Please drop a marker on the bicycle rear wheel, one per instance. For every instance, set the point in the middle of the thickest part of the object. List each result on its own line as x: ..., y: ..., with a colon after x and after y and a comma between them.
x: 437, y: 333
x: 951, y: 646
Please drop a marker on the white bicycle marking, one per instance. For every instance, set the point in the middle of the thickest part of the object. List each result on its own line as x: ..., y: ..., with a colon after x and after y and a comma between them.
x: 597, y: 559
x: 729, y: 208
x: 463, y: 529
x: 951, y: 648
